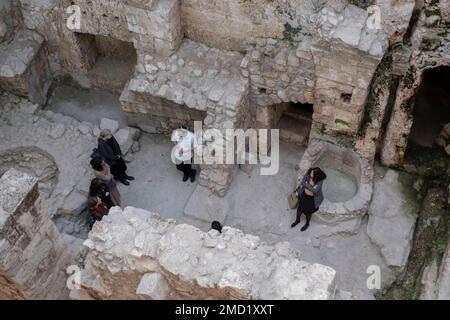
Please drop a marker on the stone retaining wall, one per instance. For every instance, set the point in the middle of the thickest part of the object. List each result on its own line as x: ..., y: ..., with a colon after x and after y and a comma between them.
x: 33, y: 256
x: 136, y: 254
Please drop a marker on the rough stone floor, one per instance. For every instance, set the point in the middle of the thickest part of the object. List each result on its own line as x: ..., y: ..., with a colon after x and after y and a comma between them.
x: 256, y: 204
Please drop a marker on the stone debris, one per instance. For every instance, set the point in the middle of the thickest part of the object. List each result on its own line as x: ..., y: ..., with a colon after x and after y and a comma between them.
x: 170, y: 260
x: 48, y: 133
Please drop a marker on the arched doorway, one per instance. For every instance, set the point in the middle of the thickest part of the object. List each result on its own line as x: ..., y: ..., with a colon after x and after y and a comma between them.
x: 426, y: 147
x: 431, y: 107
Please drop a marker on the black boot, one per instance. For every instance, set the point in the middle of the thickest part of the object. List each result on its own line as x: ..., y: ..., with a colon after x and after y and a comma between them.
x: 185, y: 177
x: 125, y: 182
x: 193, y: 173
x: 129, y: 178
x: 297, y: 221
x: 305, y: 227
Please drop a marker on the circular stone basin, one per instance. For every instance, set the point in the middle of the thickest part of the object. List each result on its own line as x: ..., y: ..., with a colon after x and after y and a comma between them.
x: 339, y: 185
x: 348, y: 187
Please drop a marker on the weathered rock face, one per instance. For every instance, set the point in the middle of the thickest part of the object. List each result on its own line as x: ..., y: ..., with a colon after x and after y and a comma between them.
x: 24, y: 68
x: 392, y: 218
x: 137, y: 254
x: 443, y: 140
x: 429, y: 48
x: 33, y: 256
x: 10, y: 19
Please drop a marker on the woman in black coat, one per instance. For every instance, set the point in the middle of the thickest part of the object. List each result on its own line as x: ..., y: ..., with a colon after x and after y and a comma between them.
x: 309, y: 194
x: 109, y: 150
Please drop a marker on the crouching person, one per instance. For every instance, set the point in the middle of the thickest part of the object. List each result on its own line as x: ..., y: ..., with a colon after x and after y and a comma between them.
x: 97, y: 209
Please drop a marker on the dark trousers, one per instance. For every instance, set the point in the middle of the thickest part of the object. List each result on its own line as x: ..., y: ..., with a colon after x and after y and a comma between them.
x: 299, y: 215
x: 118, y: 169
x: 186, y: 168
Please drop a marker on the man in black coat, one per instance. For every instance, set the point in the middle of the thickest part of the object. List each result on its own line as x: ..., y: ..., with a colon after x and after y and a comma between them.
x: 109, y: 150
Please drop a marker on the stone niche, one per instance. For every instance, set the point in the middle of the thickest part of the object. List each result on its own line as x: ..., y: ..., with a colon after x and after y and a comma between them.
x: 109, y: 62
x: 33, y: 256
x: 152, y: 26
x: 136, y: 254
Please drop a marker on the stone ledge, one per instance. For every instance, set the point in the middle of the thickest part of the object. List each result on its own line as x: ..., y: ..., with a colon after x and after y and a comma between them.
x: 194, y: 264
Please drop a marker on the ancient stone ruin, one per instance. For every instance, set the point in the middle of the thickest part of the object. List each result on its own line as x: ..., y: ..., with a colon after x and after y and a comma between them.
x: 357, y: 88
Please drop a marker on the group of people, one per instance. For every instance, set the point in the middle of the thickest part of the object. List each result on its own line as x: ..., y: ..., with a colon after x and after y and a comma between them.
x: 109, y: 166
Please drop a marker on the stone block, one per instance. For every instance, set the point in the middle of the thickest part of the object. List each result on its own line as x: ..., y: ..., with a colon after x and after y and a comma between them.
x: 125, y: 139
x: 24, y: 67
x: 75, y: 203
x: 153, y: 285
x: 109, y: 124
x: 14, y: 187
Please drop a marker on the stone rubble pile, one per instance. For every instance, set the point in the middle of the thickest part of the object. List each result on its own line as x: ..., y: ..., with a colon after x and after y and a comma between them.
x: 137, y: 254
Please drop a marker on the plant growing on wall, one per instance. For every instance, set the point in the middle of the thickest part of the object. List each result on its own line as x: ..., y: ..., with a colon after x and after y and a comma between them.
x: 293, y: 31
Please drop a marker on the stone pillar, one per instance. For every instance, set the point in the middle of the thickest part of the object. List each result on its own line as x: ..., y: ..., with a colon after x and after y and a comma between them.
x: 343, y: 79
x: 155, y: 25
x: 33, y: 256
x: 376, y: 104
x: 400, y: 123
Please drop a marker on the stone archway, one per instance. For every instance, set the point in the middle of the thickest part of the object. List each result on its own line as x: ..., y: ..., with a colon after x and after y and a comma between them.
x: 431, y: 107
x: 402, y: 118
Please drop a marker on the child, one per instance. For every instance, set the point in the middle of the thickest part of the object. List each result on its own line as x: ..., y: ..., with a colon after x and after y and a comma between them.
x: 97, y: 209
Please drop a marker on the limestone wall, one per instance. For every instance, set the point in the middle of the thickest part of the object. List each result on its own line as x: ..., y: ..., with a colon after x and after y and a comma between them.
x: 231, y: 24
x: 33, y: 256
x: 280, y: 72
x: 136, y: 254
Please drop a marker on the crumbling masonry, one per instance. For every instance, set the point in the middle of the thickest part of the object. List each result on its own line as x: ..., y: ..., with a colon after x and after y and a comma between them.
x: 229, y: 64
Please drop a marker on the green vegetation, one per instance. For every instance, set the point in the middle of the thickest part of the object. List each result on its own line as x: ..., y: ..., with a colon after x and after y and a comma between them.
x: 430, y: 44
x: 381, y: 79
x: 342, y: 122
x: 364, y: 4
x: 432, y: 163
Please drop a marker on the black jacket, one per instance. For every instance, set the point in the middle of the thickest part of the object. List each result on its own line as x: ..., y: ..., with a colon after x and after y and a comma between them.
x: 109, y: 150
